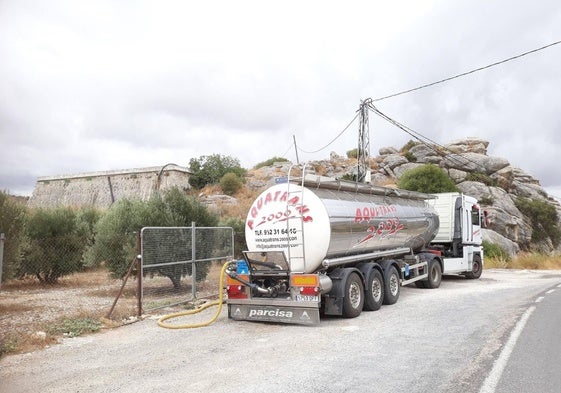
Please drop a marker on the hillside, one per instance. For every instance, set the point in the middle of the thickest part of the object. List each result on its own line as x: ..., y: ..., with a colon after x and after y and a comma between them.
x: 498, y: 186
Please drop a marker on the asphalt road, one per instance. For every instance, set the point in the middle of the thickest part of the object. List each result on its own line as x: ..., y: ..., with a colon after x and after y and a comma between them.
x: 534, y: 364
x: 444, y: 340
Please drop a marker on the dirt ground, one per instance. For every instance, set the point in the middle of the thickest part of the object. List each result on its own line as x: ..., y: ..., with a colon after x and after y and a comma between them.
x: 31, y: 314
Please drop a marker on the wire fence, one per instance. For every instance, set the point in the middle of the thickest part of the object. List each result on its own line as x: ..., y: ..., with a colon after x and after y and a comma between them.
x: 180, y: 264
x: 2, y: 239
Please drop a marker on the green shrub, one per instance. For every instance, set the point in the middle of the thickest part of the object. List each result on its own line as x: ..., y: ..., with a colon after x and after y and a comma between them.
x: 116, y: 242
x: 352, y: 153
x: 12, y: 225
x: 348, y: 177
x: 270, y: 162
x: 492, y: 250
x: 408, y: 146
x: 544, y: 219
x: 488, y: 201
x: 210, y: 169
x: 74, y: 327
x: 238, y: 226
x: 87, y: 219
x: 53, y: 246
x: 481, y: 178
x: 410, y: 156
x: 230, y: 183
x: 427, y: 178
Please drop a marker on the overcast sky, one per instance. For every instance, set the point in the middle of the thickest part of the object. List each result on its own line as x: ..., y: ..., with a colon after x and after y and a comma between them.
x: 105, y: 85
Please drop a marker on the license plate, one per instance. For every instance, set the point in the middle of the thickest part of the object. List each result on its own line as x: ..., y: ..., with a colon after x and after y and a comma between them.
x: 307, y: 298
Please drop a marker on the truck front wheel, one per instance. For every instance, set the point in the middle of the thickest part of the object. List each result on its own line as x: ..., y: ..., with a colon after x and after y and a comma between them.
x: 477, y: 268
x: 392, y: 286
x: 354, y: 296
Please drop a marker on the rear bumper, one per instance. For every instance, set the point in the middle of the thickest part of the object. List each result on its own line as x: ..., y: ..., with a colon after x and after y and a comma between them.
x: 274, y: 310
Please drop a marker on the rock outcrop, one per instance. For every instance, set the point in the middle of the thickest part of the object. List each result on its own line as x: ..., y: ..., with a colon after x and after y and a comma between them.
x: 492, y: 180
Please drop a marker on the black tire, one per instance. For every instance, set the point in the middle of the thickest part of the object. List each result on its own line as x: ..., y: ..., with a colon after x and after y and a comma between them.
x: 374, y: 291
x: 353, y: 302
x: 392, y: 286
x: 435, y: 275
x: 420, y: 284
x: 477, y: 268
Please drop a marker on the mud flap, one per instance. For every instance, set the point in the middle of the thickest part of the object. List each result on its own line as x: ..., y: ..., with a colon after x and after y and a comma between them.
x: 278, y: 314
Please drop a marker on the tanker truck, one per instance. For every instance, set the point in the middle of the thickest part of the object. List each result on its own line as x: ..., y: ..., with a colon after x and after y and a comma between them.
x: 323, y: 246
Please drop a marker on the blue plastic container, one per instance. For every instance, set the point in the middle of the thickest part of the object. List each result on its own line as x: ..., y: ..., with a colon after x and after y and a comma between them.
x: 242, y: 267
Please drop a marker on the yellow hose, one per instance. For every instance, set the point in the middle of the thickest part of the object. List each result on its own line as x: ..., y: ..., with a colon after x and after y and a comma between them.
x: 197, y: 310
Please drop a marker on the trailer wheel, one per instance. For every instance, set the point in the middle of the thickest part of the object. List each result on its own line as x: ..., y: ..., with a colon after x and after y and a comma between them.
x: 374, y: 291
x: 354, y: 296
x: 435, y: 275
x: 477, y: 268
x: 420, y: 284
x: 392, y: 286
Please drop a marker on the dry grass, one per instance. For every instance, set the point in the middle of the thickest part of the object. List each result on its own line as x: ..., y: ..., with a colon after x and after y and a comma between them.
x: 530, y: 261
x: 245, y: 198
x: 33, y: 315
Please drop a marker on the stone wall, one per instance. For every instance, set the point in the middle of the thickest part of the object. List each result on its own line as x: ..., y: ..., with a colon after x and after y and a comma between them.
x: 102, y: 189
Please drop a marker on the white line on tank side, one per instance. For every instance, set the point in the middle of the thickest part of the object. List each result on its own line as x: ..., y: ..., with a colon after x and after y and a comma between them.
x: 539, y: 300
x: 494, y: 376
x: 550, y: 291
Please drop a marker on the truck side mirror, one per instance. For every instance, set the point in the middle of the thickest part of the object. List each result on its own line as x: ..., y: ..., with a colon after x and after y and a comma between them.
x: 485, y: 221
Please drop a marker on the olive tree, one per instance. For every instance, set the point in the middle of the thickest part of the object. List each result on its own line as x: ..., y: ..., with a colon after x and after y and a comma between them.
x: 115, y: 240
x: 54, y: 244
x: 12, y: 224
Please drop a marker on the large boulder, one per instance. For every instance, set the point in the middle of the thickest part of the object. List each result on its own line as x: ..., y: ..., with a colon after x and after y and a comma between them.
x: 475, y: 189
x: 469, y: 145
x: 510, y: 247
x: 502, y: 214
x: 425, y: 154
x: 457, y: 175
x: 400, y: 170
x: 393, y: 160
x: 529, y: 190
x: 384, y: 151
x: 524, y: 177
x: 475, y: 162
x: 504, y: 177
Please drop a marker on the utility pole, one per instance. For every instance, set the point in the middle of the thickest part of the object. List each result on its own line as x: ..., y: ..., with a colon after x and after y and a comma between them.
x: 363, y: 152
x: 296, y: 149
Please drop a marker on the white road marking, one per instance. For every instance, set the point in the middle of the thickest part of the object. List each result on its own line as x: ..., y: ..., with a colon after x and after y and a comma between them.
x: 494, y: 376
x: 539, y: 300
x: 550, y: 291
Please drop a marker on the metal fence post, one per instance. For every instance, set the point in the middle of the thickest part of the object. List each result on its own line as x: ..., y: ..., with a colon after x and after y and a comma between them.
x: 139, y: 274
x: 193, y: 264
x: 2, y: 238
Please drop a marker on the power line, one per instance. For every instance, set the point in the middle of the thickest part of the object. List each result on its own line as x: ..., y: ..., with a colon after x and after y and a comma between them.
x: 468, y: 72
x: 287, y: 150
x: 423, y: 139
x: 333, y: 140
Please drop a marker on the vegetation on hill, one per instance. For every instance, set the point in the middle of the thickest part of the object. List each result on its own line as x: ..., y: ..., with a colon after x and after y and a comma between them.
x: 427, y: 178
x: 544, y: 219
x: 108, y: 236
x: 270, y: 162
x: 210, y: 169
